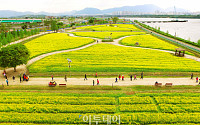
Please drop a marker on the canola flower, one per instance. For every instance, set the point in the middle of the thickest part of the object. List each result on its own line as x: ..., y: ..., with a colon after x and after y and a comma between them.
x: 103, y: 35
x: 112, y: 27
x: 111, y: 58
x: 55, y: 42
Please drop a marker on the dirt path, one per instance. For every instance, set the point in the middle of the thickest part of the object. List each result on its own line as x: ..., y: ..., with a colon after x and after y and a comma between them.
x: 103, y: 81
x: 62, y: 51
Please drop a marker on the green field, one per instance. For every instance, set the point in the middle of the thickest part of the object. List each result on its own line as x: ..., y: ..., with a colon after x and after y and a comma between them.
x: 111, y: 58
x: 55, y: 42
x: 71, y: 108
x: 103, y: 35
x: 112, y: 27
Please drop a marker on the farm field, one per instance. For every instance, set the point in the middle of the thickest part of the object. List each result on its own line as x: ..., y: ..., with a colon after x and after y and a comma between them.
x: 68, y: 108
x: 112, y: 27
x: 148, y: 41
x: 102, y: 35
x: 54, y: 42
x: 110, y: 58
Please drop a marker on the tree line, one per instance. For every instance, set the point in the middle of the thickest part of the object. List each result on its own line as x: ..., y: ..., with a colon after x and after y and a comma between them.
x: 8, y: 37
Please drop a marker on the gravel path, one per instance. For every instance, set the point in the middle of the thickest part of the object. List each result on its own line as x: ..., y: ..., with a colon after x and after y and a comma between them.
x: 62, y: 51
x: 103, y: 81
x: 116, y: 42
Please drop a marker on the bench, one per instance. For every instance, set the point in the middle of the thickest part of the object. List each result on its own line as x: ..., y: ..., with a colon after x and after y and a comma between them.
x: 158, y: 84
x: 168, y: 84
x: 62, y: 85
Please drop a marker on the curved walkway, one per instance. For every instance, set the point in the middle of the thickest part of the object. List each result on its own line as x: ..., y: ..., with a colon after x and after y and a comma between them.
x: 116, y: 42
x: 62, y: 51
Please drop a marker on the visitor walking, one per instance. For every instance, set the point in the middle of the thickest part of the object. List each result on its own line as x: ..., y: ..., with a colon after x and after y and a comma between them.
x: 197, y: 79
x: 141, y: 75
x: 119, y: 77
x: 135, y: 77
x: 97, y: 41
x: 24, y: 77
x: 97, y: 82
x: 65, y: 78
x: 96, y: 75
x: 116, y: 80
x: 192, y: 76
x: 20, y: 79
x: 122, y: 77
x: 13, y: 78
x: 131, y: 77
x: 52, y: 77
x: 93, y: 83
x: 7, y: 81
x: 85, y: 77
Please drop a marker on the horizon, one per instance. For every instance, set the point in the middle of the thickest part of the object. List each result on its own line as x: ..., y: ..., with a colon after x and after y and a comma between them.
x: 52, y: 6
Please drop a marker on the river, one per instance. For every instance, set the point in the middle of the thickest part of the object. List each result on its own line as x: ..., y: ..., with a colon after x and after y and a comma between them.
x: 188, y: 30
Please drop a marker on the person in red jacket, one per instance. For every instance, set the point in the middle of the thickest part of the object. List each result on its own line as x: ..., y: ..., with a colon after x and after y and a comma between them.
x: 119, y: 77
x: 97, y: 82
x: 96, y: 75
x: 122, y: 78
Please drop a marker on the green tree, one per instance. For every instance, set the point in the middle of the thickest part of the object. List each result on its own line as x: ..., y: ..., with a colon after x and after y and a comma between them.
x: 3, y: 27
x: 60, y: 24
x: 198, y: 42
x: 53, y: 25
x: 24, y: 26
x: 71, y: 19
x: 14, y: 55
x: 21, y: 34
x: 115, y: 19
x: 91, y: 20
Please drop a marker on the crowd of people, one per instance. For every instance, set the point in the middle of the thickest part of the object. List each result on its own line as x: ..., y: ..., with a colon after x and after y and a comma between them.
x: 24, y: 77
x: 131, y: 77
x: 120, y: 77
x: 197, y: 78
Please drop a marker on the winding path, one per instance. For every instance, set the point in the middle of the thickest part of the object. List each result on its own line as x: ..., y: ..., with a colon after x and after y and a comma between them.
x: 116, y: 42
x: 62, y: 51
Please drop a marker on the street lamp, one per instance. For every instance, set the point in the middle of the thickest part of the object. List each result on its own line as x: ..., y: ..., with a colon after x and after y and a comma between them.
x: 69, y: 61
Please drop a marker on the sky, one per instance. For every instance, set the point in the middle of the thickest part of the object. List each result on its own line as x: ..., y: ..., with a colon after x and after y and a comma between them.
x: 57, y: 6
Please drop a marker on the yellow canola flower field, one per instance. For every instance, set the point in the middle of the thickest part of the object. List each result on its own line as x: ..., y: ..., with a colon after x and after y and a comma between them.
x: 102, y: 35
x: 52, y: 108
x: 139, y: 108
x: 179, y: 108
x: 148, y: 41
x: 54, y: 42
x: 67, y: 108
x: 110, y: 58
x: 110, y: 27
